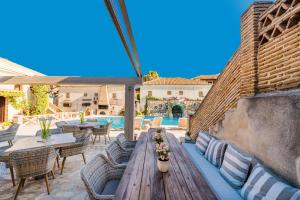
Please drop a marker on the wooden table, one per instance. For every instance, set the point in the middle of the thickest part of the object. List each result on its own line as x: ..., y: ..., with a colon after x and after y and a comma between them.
x: 58, y: 140
x: 143, y: 181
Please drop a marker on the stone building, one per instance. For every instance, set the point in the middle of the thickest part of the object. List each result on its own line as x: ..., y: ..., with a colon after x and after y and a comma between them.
x: 174, y: 96
x: 9, y: 68
x: 97, y: 100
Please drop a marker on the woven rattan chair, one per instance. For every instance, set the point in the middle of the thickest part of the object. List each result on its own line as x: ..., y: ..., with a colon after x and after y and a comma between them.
x: 124, y: 142
x: 60, y: 124
x: 117, y: 154
x: 101, y: 178
x: 5, y: 157
x: 33, y: 162
x: 79, y: 147
x: 102, y: 131
x: 9, y: 134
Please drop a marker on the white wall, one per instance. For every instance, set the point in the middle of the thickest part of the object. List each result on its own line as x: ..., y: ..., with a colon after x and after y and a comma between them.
x: 160, y: 91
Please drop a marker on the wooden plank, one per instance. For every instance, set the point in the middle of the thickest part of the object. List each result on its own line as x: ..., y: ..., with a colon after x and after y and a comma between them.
x: 194, y: 181
x: 129, y: 111
x: 130, y: 183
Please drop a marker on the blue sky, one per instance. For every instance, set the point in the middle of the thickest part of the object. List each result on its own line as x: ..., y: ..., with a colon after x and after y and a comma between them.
x: 77, y: 37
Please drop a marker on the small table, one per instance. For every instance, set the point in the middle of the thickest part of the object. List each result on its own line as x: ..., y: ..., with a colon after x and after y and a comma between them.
x: 143, y: 181
x: 58, y: 141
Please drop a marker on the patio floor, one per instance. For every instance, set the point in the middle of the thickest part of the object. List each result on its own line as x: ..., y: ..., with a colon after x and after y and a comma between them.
x: 66, y: 186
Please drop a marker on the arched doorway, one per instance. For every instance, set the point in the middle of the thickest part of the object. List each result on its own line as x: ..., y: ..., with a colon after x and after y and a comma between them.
x: 177, y: 111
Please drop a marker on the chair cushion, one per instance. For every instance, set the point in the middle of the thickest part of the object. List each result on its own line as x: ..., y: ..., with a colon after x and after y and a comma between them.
x: 110, y: 187
x: 202, y: 142
x: 221, y: 188
x: 215, y: 152
x: 235, y: 166
x: 263, y: 185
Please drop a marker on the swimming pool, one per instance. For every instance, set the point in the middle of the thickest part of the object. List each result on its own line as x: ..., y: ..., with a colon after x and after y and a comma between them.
x: 118, y: 122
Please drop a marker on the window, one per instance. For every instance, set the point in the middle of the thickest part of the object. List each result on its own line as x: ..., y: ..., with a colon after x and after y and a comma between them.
x: 180, y: 92
x: 67, y: 95
x: 18, y: 87
x: 67, y: 104
x: 96, y: 94
x: 85, y: 94
x: 169, y: 92
x: 149, y: 93
x: 201, y: 94
x: 114, y: 95
x: 86, y: 104
x: 210, y: 82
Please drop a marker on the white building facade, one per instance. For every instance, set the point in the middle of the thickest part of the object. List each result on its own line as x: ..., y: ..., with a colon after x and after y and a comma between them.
x: 93, y: 100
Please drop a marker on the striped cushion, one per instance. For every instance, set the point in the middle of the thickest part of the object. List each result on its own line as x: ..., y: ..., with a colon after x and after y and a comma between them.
x: 215, y: 152
x: 235, y: 166
x: 262, y: 185
x: 202, y: 142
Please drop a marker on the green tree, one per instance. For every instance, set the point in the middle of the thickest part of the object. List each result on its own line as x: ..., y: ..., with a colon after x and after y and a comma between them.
x: 151, y: 76
x: 41, y: 98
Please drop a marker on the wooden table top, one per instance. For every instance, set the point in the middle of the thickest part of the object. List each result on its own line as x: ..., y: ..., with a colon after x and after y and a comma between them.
x: 143, y: 181
x: 58, y: 140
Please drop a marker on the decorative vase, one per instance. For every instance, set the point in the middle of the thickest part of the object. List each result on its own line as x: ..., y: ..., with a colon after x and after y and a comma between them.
x: 163, y: 166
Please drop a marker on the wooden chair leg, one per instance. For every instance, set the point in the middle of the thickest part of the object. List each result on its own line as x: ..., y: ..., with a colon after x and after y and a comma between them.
x: 83, y: 158
x: 105, y: 138
x: 11, y: 169
x: 99, y: 138
x: 19, y: 188
x: 47, y: 184
x: 52, y: 173
x: 23, y: 182
x: 57, y: 161
x: 94, y: 139
x: 62, y: 165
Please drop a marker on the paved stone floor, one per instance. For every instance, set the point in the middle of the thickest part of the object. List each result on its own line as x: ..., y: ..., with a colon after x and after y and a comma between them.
x: 63, y: 187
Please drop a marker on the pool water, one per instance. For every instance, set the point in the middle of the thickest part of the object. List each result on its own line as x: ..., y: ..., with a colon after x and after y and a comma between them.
x: 118, y: 122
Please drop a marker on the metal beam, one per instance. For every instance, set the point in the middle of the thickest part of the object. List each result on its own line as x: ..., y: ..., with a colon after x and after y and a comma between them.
x: 68, y: 80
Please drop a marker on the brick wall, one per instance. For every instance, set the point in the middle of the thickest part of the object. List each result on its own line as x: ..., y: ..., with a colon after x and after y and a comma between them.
x: 267, y: 60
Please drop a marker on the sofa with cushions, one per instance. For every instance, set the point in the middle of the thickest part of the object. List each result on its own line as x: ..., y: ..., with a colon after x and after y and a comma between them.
x: 233, y: 174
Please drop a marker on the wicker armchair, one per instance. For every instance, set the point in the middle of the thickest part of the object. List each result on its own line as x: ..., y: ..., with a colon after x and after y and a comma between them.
x: 117, y: 154
x: 33, y: 162
x: 60, y: 124
x: 5, y: 157
x: 124, y: 142
x: 80, y: 146
x: 101, y: 178
x: 9, y: 134
x: 102, y: 131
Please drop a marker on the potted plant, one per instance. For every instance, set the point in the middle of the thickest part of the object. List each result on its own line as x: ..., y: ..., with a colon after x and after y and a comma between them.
x: 81, y: 117
x: 162, y: 151
x: 45, y: 123
x: 158, y: 137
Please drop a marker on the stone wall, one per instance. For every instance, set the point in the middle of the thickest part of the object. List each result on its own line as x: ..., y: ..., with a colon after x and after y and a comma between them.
x: 267, y: 60
x: 164, y: 107
x: 267, y: 126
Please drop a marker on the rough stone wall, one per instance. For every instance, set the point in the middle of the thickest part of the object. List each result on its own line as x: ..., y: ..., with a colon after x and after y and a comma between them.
x: 259, y: 65
x: 267, y: 126
x: 164, y: 107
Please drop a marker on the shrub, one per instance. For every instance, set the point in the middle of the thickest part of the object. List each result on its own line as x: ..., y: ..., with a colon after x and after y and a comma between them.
x: 41, y: 95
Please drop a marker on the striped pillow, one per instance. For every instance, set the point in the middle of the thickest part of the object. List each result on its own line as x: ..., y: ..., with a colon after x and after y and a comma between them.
x: 215, y: 152
x: 202, y: 142
x: 262, y: 185
x: 235, y: 166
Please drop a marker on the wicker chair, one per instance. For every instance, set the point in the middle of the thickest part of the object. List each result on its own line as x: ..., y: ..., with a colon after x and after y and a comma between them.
x: 33, y: 162
x: 9, y: 134
x: 124, y: 142
x: 5, y: 157
x: 80, y: 146
x: 101, y: 178
x: 117, y: 154
x: 60, y: 124
x: 102, y: 131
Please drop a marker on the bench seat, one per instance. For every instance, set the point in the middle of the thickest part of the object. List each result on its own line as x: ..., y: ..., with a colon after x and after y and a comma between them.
x: 222, y: 189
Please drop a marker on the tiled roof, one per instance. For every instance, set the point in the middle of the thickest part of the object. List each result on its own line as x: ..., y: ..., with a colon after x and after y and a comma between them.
x: 206, y: 77
x: 173, y: 81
